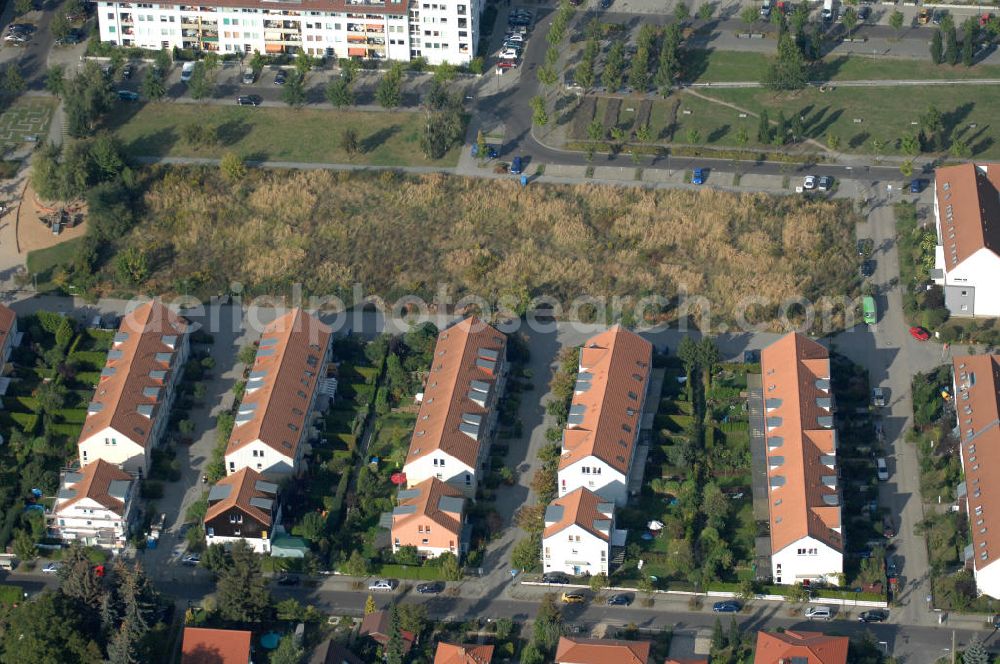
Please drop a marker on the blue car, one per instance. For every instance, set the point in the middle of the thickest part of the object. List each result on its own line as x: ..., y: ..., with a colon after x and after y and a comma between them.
x: 516, y: 166
x: 699, y: 176
x: 728, y: 606
x: 916, y: 186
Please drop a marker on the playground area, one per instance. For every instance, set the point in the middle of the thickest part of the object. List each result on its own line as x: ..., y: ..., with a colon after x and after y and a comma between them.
x: 41, y: 225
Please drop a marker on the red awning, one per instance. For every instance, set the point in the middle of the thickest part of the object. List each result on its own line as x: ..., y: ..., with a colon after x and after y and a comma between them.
x: 357, y: 52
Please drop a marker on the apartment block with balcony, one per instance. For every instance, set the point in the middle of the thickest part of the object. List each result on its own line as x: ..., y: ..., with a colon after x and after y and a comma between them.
x: 367, y: 29
x: 95, y: 506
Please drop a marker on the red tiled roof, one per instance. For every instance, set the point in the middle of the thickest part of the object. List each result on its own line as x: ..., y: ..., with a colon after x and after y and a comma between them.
x: 457, y: 362
x: 244, y: 489
x: 977, y: 407
x: 618, y: 362
x: 580, y: 507
x: 120, y: 391
x: 601, y: 651
x: 814, y: 647
x: 450, y: 653
x: 215, y: 646
x: 792, y: 369
x: 377, y: 626
x: 971, y: 194
x: 686, y: 660
x: 96, y: 478
x: 288, y: 365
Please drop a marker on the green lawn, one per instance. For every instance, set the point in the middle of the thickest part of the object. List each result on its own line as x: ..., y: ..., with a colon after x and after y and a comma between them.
x: 703, y: 66
x: 42, y: 262
x: 275, y: 134
x: 885, y: 113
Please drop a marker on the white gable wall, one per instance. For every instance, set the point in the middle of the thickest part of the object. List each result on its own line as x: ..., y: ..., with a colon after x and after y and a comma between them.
x: 115, y: 448
x: 575, y: 551
x: 808, y: 558
x: 446, y: 468
x: 596, y: 475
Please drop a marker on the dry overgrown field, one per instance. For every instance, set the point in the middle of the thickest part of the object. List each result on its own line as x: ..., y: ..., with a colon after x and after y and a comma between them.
x: 397, y: 234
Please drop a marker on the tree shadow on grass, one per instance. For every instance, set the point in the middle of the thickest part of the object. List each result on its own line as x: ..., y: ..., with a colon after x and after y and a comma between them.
x: 820, y: 128
x: 982, y: 146
x: 858, y: 140
x: 379, y: 138
x: 232, y: 131
x: 156, y: 144
x: 718, y: 133
x: 827, y: 69
x: 951, y: 119
x: 694, y: 62
x: 256, y: 157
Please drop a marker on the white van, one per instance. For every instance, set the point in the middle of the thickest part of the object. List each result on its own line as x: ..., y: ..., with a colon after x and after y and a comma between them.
x: 827, y: 12
x: 186, y: 71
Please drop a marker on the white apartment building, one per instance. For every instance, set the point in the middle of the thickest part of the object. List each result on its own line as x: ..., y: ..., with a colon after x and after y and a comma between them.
x: 967, y: 221
x: 605, y: 415
x: 131, y: 404
x: 803, y: 493
x: 440, y: 31
x: 579, y: 532
x: 977, y: 408
x: 94, y: 506
x: 286, y: 389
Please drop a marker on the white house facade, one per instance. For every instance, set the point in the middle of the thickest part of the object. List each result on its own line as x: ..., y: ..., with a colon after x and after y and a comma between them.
x: 967, y: 221
x: 95, y: 506
x: 578, y: 535
x: 440, y: 31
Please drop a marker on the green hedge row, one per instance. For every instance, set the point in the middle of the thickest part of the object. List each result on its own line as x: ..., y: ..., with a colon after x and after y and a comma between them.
x: 92, y: 359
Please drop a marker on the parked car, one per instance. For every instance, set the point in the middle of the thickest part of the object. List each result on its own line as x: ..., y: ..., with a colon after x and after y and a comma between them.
x: 924, y: 16
x: 128, y: 95
x: 919, y: 333
x: 864, y: 12
x: 727, y: 606
x: 621, y: 599
x: 809, y: 183
x: 288, y: 580
x: 191, y: 560
x: 699, y: 175
x: 71, y: 37
x: 249, y: 76
x: 554, y: 577
x: 491, y: 151
x: 917, y: 185
x: 432, y: 588
x: 819, y: 613
x: 875, y: 615
x: 51, y: 568
x: 516, y: 166
x: 605, y: 4
x: 248, y: 100
x: 882, y: 469
x: 127, y: 71
x: 878, y: 397
x: 938, y: 16
x: 573, y: 598
x: 380, y: 584
x: 507, y: 64
x: 866, y: 246
x: 187, y: 70
x: 984, y: 19
x: 765, y: 10
x: 867, y: 268
x: 825, y: 183
x: 280, y: 77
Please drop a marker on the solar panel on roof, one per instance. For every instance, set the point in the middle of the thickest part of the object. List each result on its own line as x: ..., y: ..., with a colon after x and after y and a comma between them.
x: 266, y: 487
x: 219, y: 492
x: 266, y: 352
x: 489, y: 353
x: 553, y: 513
x: 408, y: 494
x: 261, y: 503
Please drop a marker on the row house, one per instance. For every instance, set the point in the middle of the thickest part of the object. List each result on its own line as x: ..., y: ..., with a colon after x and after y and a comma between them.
x: 95, y: 506
x: 243, y: 506
x: 458, y: 408
x: 440, y: 31
x: 201, y: 645
x: 286, y: 385
x: 967, y: 221
x: 977, y: 411
x: 430, y: 516
x: 800, y: 647
x: 131, y: 405
x: 602, y: 429
x: 804, y: 502
x: 602, y: 651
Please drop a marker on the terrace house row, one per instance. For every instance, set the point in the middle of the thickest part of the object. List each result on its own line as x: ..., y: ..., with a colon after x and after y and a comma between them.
x: 458, y: 407
x: 131, y: 405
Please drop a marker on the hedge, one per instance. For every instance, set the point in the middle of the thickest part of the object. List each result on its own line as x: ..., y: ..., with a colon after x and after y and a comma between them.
x: 95, y: 359
x: 27, y: 421
x: 68, y: 430
x: 409, y: 572
x: 88, y: 377
x: 72, y: 415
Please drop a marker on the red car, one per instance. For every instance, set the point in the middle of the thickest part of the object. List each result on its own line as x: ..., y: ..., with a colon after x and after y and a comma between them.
x: 506, y: 64
x: 919, y: 333
x: 985, y: 19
